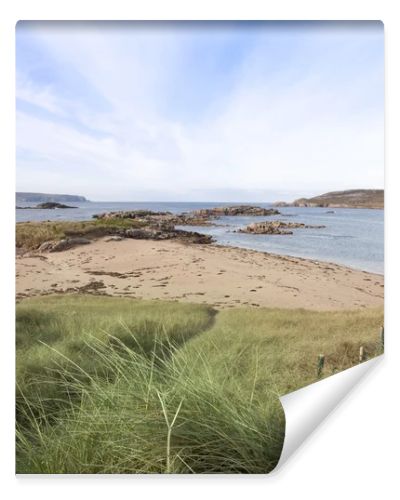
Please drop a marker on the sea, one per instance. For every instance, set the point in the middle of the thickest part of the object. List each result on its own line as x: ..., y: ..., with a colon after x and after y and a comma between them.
x: 351, y: 237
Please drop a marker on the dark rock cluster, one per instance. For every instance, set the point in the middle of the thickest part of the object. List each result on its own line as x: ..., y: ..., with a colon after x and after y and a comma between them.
x: 48, y: 205
x: 236, y: 210
x: 154, y: 234
x: 275, y: 227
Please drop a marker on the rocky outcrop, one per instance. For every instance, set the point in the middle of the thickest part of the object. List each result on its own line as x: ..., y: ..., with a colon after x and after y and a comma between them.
x: 48, y: 205
x: 275, y: 227
x: 282, y: 204
x: 147, y: 234
x: 202, y: 217
x: 131, y: 214
x: 235, y: 210
x: 64, y: 244
x: 52, y: 204
x: 153, y: 234
x: 157, y: 219
x: 114, y: 238
x: 138, y: 234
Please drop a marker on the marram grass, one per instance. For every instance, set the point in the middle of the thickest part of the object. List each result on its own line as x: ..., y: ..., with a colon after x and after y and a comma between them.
x: 114, y: 385
x: 30, y: 235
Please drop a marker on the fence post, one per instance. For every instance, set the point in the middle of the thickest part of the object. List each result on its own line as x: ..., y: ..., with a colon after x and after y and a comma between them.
x: 382, y: 337
x: 320, y: 366
x: 361, y: 356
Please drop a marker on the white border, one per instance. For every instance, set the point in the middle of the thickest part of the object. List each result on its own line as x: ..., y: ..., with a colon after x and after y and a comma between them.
x: 355, y: 452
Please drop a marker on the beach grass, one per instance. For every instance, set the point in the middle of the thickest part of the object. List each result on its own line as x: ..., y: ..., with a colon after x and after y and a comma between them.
x: 30, y: 235
x: 117, y: 385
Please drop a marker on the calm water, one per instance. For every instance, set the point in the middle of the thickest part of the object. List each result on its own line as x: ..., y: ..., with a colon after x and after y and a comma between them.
x: 353, y: 237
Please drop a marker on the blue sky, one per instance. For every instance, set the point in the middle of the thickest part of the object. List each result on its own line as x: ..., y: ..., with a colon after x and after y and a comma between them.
x: 235, y: 111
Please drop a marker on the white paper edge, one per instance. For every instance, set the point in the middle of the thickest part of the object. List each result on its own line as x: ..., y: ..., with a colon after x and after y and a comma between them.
x: 306, y: 408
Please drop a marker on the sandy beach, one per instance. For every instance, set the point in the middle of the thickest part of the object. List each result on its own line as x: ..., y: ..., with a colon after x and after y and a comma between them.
x: 222, y: 276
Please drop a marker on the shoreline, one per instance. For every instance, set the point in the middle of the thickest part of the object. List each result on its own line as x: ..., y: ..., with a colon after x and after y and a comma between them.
x: 215, y: 274
x: 298, y: 246
x: 306, y: 259
x: 24, y: 252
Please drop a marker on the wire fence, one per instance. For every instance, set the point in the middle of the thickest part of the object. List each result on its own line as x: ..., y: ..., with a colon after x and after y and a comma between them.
x: 329, y: 362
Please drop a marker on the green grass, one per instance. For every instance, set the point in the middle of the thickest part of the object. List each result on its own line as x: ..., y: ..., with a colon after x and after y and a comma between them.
x: 30, y: 235
x: 113, y: 385
x: 69, y: 325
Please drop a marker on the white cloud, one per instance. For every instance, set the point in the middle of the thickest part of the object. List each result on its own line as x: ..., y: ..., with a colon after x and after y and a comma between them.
x: 267, y: 133
x: 42, y: 97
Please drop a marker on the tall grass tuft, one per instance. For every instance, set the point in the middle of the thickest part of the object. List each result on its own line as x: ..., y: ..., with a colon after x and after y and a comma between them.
x: 152, y: 418
x: 115, y: 385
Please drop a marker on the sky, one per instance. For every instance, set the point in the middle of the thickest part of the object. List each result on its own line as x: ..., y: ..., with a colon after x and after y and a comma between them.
x: 199, y: 111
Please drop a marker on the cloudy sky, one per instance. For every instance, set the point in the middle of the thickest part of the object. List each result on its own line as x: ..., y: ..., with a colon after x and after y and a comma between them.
x: 199, y: 111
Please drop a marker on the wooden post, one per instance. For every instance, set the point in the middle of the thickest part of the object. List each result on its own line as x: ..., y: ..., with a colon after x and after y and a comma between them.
x: 361, y: 356
x: 382, y: 337
x: 320, y: 366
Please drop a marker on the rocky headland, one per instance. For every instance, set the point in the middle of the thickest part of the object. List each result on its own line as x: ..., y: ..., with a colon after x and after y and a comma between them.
x: 353, y: 198
x: 139, y: 225
x: 43, y: 237
x: 24, y: 197
x: 137, y: 234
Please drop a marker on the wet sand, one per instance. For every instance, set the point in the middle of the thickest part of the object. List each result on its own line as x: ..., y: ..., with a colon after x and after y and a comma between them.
x: 212, y: 274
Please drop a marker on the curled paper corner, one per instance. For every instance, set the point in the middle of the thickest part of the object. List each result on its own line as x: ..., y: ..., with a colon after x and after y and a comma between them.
x: 308, y: 407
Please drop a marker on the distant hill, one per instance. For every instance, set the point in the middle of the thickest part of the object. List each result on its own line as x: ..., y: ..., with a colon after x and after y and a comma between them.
x: 44, y: 198
x: 352, y: 198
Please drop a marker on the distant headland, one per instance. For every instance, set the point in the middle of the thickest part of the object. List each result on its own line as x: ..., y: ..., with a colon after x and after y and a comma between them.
x: 352, y: 198
x: 21, y: 197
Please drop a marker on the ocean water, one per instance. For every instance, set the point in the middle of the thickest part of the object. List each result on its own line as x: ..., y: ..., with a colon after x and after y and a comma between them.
x: 352, y: 237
